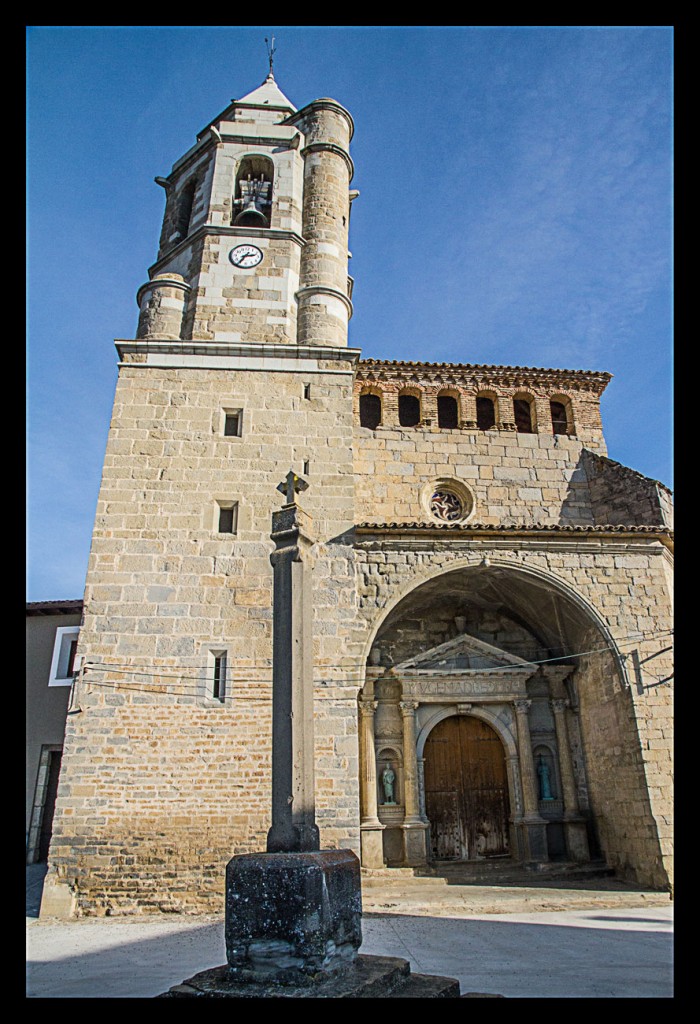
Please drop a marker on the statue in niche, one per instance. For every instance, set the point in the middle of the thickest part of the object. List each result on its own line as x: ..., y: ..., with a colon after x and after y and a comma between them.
x: 543, y: 773
x: 388, y: 780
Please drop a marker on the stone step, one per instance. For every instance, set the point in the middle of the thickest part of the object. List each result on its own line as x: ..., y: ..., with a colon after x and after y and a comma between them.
x: 426, y: 986
x: 484, y: 873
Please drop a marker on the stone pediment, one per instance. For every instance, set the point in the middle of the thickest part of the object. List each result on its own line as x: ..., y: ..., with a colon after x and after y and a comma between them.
x: 463, y: 654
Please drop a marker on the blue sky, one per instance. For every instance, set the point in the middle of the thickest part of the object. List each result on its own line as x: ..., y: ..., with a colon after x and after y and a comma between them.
x: 515, y: 208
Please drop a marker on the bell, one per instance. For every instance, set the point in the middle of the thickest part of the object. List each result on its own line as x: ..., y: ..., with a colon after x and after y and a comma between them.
x: 251, y: 215
x: 253, y: 198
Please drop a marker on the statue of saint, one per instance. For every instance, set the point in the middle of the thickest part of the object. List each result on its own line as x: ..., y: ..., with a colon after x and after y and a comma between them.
x: 543, y: 773
x: 388, y: 779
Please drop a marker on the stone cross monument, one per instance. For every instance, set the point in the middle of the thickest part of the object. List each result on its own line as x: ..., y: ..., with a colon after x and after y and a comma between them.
x: 293, y: 913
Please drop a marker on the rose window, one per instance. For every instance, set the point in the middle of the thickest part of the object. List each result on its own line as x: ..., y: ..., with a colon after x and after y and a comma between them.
x: 446, y: 506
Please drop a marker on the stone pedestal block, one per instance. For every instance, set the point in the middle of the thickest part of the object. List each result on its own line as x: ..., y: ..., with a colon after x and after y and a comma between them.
x: 533, y: 840
x: 577, y: 840
x: 291, y: 916
x: 372, y: 846
x: 415, y: 839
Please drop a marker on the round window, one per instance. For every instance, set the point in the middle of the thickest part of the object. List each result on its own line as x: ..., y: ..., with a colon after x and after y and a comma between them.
x: 447, y: 501
x: 446, y: 506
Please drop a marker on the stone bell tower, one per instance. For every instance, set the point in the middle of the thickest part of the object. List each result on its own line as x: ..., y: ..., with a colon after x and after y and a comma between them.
x: 240, y: 371
x: 254, y: 245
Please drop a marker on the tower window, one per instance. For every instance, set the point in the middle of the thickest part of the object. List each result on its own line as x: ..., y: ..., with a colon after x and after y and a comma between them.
x: 227, y: 517
x: 184, y: 209
x: 485, y: 414
x: 448, y: 413
x: 523, y: 416
x: 252, y: 202
x: 559, y: 418
x: 409, y: 410
x: 370, y: 411
x: 307, y: 391
x: 233, y: 422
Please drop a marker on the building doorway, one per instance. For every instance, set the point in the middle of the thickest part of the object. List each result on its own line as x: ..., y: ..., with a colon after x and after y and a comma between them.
x: 41, y: 824
x: 466, y: 790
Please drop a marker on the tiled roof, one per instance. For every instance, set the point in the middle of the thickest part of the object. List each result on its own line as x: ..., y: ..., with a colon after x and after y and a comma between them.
x: 521, y: 528
x: 402, y: 364
x: 54, y: 607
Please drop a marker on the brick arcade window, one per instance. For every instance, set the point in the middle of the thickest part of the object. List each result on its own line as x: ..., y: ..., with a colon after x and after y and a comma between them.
x: 522, y: 412
x: 370, y: 411
x: 409, y: 410
x: 559, y: 418
x: 485, y: 414
x: 448, y: 412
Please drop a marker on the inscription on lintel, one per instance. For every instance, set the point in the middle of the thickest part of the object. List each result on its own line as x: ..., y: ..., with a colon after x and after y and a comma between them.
x: 438, y: 689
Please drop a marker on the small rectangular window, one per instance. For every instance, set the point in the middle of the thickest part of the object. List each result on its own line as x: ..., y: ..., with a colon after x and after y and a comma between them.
x: 227, y: 521
x: 233, y: 421
x: 63, y: 660
x: 71, y: 657
x: 306, y: 467
x: 219, y: 683
x: 307, y: 391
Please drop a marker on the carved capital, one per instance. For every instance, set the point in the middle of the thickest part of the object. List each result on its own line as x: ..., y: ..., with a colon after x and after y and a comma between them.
x: 558, y: 706
x: 522, y: 706
x: 367, y: 708
x: 408, y: 707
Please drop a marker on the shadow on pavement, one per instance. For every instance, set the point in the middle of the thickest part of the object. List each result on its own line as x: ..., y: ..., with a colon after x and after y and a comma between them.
x: 508, y: 958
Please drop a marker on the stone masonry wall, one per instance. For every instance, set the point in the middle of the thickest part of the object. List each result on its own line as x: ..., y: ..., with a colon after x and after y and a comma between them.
x: 620, y: 495
x: 162, y: 783
x: 515, y: 478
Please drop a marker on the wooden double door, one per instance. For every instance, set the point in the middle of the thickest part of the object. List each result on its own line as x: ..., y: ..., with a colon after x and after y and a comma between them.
x: 466, y: 790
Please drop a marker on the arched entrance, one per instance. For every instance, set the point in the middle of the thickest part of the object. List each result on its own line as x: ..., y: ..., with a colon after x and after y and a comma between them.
x: 466, y: 790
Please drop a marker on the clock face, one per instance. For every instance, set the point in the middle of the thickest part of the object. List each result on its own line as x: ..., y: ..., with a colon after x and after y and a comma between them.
x: 245, y: 256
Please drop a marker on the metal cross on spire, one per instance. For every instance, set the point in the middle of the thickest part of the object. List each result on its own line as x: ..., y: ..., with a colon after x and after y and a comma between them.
x: 270, y: 53
x: 291, y: 485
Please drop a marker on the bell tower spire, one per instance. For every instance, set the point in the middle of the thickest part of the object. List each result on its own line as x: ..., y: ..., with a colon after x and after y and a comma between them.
x: 254, y: 245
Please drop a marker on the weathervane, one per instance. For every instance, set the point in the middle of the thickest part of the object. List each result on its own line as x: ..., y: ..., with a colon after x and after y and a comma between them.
x: 270, y: 53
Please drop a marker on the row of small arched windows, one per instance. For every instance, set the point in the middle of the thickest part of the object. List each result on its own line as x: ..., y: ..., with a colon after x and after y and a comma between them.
x: 448, y: 413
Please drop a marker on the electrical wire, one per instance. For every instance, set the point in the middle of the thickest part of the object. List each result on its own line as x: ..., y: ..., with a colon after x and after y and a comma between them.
x: 240, y: 680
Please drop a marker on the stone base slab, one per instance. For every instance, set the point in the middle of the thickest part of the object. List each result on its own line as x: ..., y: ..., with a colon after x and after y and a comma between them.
x: 367, y: 977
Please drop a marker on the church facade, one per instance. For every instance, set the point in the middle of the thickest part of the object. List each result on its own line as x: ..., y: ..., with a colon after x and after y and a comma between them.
x: 491, y: 621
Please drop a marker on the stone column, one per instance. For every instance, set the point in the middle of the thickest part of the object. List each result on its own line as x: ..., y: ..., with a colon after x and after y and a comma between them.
x: 414, y: 828
x: 533, y: 827
x: 421, y: 789
x: 294, y: 912
x: 574, y: 824
x: 324, y: 305
x: 293, y: 800
x: 371, y: 828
